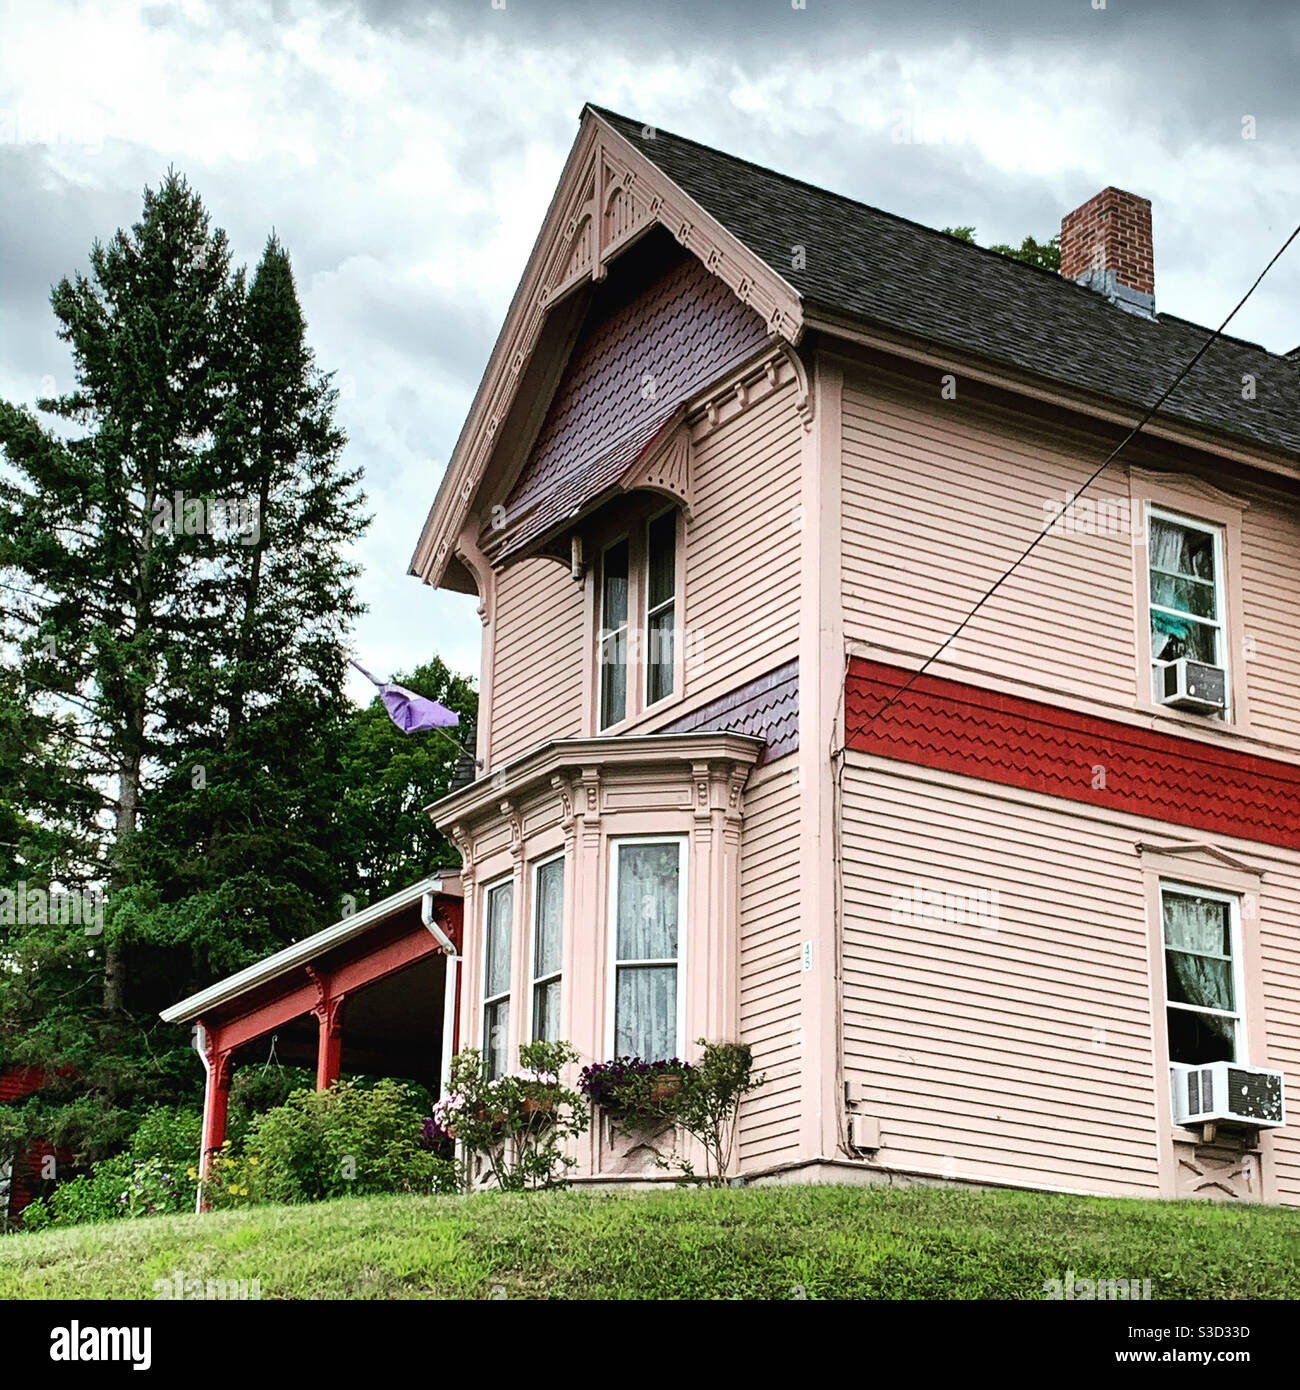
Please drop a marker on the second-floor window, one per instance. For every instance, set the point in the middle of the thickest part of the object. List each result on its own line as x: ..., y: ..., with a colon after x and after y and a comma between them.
x: 638, y: 615
x: 1186, y: 587
x: 614, y: 577
x: 660, y: 605
x: 1202, y: 942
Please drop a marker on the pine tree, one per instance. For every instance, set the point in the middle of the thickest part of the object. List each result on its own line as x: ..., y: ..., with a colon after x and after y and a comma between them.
x: 175, y: 603
x: 241, y: 837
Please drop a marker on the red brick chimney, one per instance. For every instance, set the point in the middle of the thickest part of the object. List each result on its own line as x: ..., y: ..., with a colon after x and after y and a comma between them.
x: 1106, y: 245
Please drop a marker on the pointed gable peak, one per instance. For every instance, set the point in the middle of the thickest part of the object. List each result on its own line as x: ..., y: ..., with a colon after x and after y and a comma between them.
x: 609, y: 196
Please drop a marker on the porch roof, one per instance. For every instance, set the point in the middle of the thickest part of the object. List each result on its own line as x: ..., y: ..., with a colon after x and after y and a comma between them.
x: 310, y: 948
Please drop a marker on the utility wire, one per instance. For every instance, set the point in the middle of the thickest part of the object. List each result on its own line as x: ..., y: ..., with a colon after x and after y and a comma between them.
x: 1074, y: 497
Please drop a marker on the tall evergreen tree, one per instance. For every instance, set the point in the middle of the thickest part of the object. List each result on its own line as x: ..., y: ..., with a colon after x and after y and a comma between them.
x: 94, y: 606
x: 241, y: 835
x: 175, y: 603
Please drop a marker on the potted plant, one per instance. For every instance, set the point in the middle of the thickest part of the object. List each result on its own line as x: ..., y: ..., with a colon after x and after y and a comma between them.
x: 514, y: 1125
x: 634, y: 1092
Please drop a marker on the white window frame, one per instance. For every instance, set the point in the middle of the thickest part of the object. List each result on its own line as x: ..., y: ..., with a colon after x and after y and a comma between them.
x: 1220, y: 620
x: 535, y: 979
x: 611, y: 937
x: 648, y: 613
x: 1238, y: 1015
x: 486, y: 1000
x: 603, y: 633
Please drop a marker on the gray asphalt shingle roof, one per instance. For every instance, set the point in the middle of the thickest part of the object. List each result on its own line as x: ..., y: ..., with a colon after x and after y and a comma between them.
x: 899, y: 275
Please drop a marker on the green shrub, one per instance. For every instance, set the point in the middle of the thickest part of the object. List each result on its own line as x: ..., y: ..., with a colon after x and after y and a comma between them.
x: 355, y: 1139
x: 116, y: 1187
x: 515, y: 1125
x: 254, y: 1092
x: 168, y: 1134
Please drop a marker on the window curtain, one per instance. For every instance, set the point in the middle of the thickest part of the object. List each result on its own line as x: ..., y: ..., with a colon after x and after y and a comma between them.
x: 1165, y: 547
x: 550, y: 910
x: 646, y: 930
x: 496, y: 1017
x: 500, y: 913
x: 547, y: 950
x: 1197, y: 932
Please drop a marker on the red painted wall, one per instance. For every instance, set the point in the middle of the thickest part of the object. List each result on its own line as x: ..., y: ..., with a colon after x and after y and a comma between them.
x: 966, y: 729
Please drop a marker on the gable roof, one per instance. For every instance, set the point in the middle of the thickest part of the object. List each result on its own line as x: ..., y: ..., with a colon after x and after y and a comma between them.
x: 872, y: 265
x: 862, y: 269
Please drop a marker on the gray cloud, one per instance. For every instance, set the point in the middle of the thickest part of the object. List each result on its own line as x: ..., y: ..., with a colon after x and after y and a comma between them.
x: 405, y: 153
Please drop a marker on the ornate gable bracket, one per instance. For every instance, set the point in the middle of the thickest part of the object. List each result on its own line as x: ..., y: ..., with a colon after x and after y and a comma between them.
x: 609, y: 195
x: 667, y: 469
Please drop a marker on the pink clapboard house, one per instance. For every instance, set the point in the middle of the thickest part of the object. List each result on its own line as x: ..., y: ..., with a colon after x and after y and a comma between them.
x: 745, y: 454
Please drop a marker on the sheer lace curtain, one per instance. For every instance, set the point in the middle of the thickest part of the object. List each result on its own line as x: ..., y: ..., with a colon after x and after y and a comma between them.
x: 647, y: 931
x: 496, y: 1016
x: 1165, y: 546
x: 546, y: 950
x: 1198, y: 951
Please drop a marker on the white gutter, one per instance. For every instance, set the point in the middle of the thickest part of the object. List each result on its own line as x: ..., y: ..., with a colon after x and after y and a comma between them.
x: 306, y: 950
x: 199, y: 1041
x: 450, y: 985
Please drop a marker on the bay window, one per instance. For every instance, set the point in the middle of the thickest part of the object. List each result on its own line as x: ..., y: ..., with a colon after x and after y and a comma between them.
x: 1202, y: 950
x: 648, y: 926
x: 498, y: 924
x: 548, y: 914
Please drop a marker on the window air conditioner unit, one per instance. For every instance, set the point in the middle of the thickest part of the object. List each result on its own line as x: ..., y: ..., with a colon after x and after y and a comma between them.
x: 1225, y: 1093
x: 1193, y: 685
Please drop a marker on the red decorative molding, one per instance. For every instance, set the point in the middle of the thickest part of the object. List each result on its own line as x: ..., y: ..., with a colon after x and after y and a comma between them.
x: 961, y: 728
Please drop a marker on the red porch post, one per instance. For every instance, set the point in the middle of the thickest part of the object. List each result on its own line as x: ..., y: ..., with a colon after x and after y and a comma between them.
x: 329, y: 1048
x: 329, y: 1020
x: 216, y: 1102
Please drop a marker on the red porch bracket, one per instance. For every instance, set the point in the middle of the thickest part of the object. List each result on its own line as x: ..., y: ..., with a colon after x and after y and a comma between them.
x: 329, y: 1018
x: 216, y: 1102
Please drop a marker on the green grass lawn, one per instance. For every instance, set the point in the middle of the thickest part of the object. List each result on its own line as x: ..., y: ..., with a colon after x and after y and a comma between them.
x: 772, y: 1243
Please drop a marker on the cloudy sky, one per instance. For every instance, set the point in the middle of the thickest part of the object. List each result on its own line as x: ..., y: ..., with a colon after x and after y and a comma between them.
x: 405, y: 153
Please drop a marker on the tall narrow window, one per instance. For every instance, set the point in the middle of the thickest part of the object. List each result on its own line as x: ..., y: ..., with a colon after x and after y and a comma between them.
x: 548, y: 914
x: 649, y: 921
x: 613, y: 634
x: 661, y: 590
x: 498, y: 920
x: 1201, y: 956
x: 1186, y: 576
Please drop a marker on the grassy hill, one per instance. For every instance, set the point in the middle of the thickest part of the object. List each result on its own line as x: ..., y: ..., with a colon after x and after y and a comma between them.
x: 775, y: 1243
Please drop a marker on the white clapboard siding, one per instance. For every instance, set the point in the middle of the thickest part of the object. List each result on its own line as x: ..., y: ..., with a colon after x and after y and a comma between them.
x: 938, y: 501
x: 769, y: 962
x: 537, y: 662
x: 1270, y: 590
x: 1016, y: 1049
x: 742, y: 549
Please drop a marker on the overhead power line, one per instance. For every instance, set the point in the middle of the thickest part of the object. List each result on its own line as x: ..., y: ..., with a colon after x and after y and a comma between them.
x: 1074, y: 497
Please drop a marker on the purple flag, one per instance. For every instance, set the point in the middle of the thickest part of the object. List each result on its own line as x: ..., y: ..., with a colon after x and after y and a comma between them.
x: 411, y: 713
